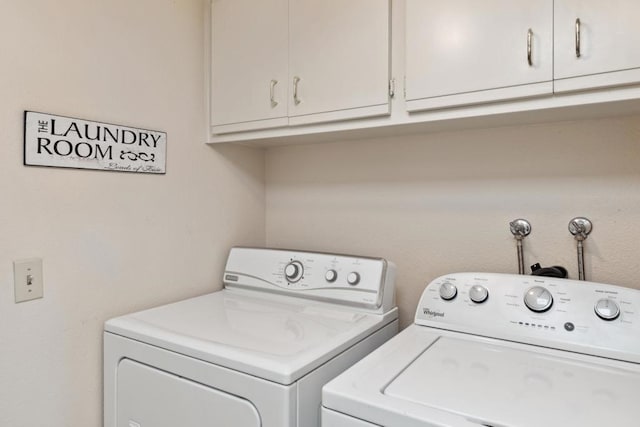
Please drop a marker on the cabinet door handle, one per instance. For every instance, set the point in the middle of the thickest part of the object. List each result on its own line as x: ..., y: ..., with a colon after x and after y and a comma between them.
x: 296, y: 100
x: 529, y: 41
x: 578, y: 38
x: 272, y: 95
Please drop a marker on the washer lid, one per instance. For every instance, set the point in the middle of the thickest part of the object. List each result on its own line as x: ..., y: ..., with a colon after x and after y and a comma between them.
x: 426, y: 377
x: 502, y: 386
x: 276, y: 338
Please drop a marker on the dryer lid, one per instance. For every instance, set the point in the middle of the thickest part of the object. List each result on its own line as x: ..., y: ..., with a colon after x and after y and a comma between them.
x: 276, y: 338
x: 507, y: 385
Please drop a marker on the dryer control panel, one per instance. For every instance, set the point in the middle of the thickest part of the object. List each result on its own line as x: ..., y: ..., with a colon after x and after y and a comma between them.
x: 344, y: 279
x: 585, y: 317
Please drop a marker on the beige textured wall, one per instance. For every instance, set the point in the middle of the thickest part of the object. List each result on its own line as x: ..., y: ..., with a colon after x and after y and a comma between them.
x: 441, y: 203
x: 111, y: 242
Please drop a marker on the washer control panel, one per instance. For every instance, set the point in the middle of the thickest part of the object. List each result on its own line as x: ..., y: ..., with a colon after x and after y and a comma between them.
x: 587, y: 317
x: 349, y: 280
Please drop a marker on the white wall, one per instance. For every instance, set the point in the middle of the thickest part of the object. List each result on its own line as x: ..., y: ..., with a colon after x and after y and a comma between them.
x: 111, y: 242
x: 441, y: 203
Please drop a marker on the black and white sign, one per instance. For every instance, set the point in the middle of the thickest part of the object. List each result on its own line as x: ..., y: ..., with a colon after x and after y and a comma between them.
x: 65, y: 142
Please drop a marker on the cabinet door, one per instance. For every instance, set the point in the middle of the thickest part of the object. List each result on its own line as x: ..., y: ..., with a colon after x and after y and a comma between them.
x: 339, y: 57
x: 609, y: 43
x: 466, y: 52
x: 249, y: 55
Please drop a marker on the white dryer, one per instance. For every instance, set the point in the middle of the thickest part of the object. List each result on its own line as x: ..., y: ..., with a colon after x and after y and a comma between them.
x: 255, y: 353
x: 501, y: 351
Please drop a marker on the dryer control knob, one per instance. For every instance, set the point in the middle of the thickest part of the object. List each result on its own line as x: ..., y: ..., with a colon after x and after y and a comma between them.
x: 353, y: 278
x: 448, y: 291
x: 538, y: 299
x: 607, y: 309
x: 478, y: 294
x: 331, y: 276
x: 294, y: 271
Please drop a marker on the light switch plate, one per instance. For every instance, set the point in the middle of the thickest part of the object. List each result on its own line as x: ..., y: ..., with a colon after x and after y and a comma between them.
x: 27, y: 278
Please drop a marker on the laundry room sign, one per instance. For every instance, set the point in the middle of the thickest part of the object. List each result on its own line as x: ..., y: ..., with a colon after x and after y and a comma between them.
x: 65, y: 142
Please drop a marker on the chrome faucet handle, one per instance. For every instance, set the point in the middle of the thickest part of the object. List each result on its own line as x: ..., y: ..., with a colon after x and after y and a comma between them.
x: 580, y: 227
x: 520, y: 228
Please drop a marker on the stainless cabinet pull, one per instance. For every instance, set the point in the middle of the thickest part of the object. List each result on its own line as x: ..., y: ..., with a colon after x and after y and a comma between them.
x: 529, y: 37
x: 578, y: 38
x: 272, y: 95
x: 296, y: 100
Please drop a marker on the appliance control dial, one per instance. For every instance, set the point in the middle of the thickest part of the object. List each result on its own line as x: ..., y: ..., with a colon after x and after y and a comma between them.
x: 478, y: 294
x: 331, y: 276
x: 607, y: 309
x: 294, y: 271
x: 353, y: 278
x: 448, y: 291
x: 538, y: 299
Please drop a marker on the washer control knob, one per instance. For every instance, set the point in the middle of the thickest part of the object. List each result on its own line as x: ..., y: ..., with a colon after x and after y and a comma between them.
x: 331, y: 276
x: 607, y: 309
x: 478, y: 294
x: 353, y: 278
x: 294, y: 271
x: 448, y: 291
x: 538, y: 299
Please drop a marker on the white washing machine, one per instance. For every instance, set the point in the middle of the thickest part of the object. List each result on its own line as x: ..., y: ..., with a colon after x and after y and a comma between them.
x: 501, y: 351
x: 255, y: 353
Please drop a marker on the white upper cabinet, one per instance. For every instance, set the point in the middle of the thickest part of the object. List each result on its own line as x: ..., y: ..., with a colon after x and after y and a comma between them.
x: 597, y: 43
x: 320, y: 68
x: 249, y: 72
x: 339, y: 61
x: 465, y: 52
x: 286, y: 62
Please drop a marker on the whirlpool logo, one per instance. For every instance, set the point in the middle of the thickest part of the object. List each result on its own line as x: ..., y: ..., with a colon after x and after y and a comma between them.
x: 431, y: 313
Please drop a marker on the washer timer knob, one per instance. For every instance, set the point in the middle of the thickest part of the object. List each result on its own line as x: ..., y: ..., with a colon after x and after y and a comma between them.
x: 331, y: 276
x: 294, y: 271
x: 353, y: 278
x: 448, y: 291
x: 538, y: 299
x: 607, y: 309
x: 478, y: 294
